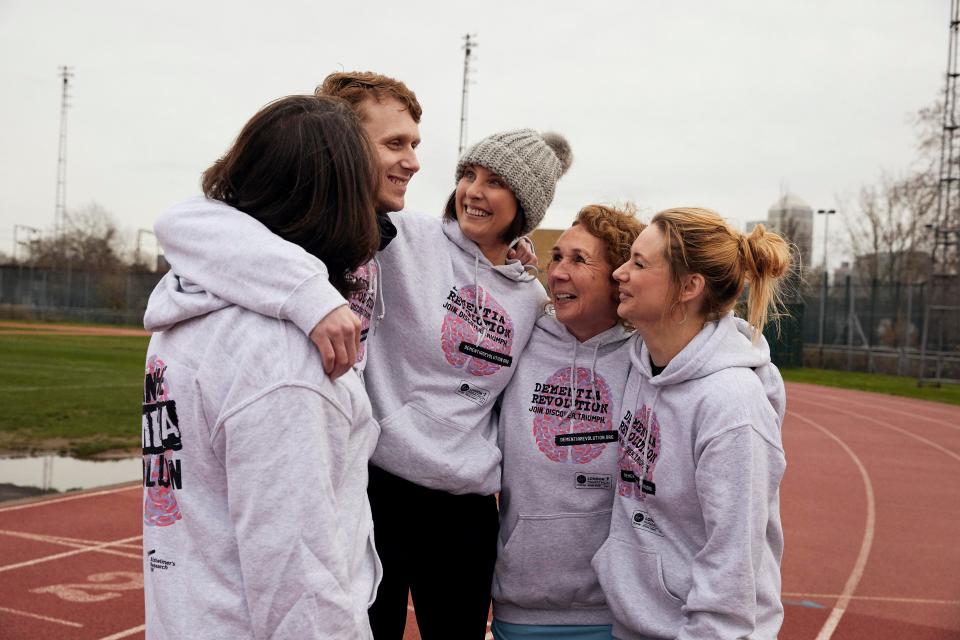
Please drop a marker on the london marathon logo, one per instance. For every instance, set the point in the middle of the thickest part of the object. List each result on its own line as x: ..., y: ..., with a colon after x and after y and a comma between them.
x: 162, y: 472
x: 476, y: 337
x: 572, y: 423
x: 639, y: 436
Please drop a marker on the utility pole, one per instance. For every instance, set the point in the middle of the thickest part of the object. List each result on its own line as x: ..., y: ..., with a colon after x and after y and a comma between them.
x: 826, y: 213
x: 469, y: 44
x: 32, y: 231
x: 60, y: 212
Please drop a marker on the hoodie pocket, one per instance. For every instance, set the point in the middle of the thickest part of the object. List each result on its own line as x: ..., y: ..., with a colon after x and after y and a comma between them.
x: 433, y: 452
x: 545, y: 564
x: 632, y: 579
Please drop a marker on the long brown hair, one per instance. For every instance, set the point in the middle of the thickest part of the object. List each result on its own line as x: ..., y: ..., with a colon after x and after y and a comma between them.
x: 700, y: 241
x: 303, y: 167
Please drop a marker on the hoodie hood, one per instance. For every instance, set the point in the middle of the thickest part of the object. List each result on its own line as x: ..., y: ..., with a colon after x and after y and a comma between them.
x: 512, y: 270
x: 723, y: 344
x: 175, y: 300
x: 613, y: 336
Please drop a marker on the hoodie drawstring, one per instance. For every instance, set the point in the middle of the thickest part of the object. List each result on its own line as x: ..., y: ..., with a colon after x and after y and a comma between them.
x: 379, y: 299
x: 573, y: 379
x: 478, y: 305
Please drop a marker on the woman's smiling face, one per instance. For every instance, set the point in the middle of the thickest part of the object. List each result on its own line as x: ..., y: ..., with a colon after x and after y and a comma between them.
x: 646, y: 284
x: 579, y: 277
x: 485, y: 206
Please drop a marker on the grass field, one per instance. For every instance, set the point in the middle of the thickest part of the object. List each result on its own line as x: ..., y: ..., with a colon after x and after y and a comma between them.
x: 890, y: 385
x: 81, y: 395
x: 77, y: 394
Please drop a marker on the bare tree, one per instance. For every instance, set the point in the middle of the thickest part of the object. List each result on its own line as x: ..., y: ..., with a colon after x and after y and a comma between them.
x: 90, y: 241
x: 886, y: 228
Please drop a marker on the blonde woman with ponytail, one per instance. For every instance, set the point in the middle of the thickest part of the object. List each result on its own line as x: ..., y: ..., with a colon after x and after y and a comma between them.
x: 695, y: 538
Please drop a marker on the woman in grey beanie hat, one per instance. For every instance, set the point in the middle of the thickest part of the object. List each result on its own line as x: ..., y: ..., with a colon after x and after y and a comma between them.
x: 505, y: 183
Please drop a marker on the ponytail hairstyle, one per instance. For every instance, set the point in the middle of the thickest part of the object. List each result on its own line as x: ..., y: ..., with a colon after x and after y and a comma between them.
x: 700, y: 241
x: 303, y: 167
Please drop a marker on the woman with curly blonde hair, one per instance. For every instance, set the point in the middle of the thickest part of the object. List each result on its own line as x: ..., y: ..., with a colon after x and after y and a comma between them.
x: 558, y: 438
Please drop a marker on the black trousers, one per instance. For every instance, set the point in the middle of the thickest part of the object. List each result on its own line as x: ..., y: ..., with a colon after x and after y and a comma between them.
x: 440, y: 546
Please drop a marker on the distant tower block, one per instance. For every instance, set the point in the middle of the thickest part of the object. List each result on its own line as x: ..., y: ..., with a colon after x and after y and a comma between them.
x: 792, y: 218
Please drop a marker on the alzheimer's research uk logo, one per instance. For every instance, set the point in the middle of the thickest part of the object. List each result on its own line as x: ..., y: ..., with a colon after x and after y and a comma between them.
x: 475, y: 394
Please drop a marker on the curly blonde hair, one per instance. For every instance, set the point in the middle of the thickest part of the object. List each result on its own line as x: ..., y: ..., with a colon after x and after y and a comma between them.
x: 616, y: 227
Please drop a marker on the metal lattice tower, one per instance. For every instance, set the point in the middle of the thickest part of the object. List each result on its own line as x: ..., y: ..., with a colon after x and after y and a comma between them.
x: 949, y: 189
x: 947, y: 224
x: 469, y: 44
x: 60, y: 212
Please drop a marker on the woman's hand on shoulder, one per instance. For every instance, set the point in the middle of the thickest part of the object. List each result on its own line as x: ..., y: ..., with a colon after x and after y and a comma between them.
x: 337, y: 337
x: 523, y: 251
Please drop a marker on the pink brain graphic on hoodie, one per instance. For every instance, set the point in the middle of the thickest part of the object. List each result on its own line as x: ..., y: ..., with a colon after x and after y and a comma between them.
x: 639, y: 453
x: 162, y: 473
x: 476, y: 337
x: 572, y: 428
x: 363, y: 300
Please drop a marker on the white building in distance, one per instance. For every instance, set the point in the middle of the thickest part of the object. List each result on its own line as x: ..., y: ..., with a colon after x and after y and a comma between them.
x: 792, y: 218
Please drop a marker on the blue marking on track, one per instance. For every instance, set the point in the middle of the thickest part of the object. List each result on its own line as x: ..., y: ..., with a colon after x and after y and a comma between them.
x: 809, y: 604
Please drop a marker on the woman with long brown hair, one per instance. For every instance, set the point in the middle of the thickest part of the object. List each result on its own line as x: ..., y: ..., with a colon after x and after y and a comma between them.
x: 256, y: 517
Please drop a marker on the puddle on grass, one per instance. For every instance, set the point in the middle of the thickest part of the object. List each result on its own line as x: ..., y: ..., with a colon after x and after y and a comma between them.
x: 61, y: 473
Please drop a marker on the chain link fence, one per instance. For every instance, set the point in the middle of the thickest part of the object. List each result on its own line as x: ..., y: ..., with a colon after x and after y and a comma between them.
x: 28, y: 293
x: 879, y: 328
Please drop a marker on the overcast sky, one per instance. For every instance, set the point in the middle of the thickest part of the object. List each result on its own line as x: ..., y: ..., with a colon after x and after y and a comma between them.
x: 702, y: 102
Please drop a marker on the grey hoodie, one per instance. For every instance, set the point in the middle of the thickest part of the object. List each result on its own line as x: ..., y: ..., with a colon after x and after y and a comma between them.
x: 559, y: 474
x: 256, y: 519
x: 208, y: 242
x: 454, y: 329
x: 447, y: 328
x: 695, y: 540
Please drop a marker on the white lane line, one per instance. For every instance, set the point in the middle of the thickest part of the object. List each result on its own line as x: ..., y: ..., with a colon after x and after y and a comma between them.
x: 125, y: 634
x: 92, y: 494
x: 843, y: 601
x: 72, y: 543
x: 37, y: 616
x: 830, y: 596
x: 887, y: 425
x: 66, y: 554
x: 886, y: 409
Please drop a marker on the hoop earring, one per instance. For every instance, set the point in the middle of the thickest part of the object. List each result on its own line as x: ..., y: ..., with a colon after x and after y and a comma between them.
x: 684, y: 319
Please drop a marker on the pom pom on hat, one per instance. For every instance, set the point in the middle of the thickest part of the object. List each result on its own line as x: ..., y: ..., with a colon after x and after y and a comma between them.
x: 561, y: 148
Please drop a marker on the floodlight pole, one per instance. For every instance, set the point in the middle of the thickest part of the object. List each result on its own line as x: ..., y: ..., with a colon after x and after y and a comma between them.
x: 60, y: 210
x: 469, y: 43
x: 826, y: 213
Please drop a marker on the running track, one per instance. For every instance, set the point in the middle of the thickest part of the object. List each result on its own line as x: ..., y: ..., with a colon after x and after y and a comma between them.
x: 870, y: 504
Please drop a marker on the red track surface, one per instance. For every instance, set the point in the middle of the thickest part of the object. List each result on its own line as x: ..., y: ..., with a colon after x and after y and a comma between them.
x: 870, y: 504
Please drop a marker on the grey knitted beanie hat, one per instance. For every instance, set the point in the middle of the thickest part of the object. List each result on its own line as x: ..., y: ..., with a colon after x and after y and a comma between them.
x: 530, y: 162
